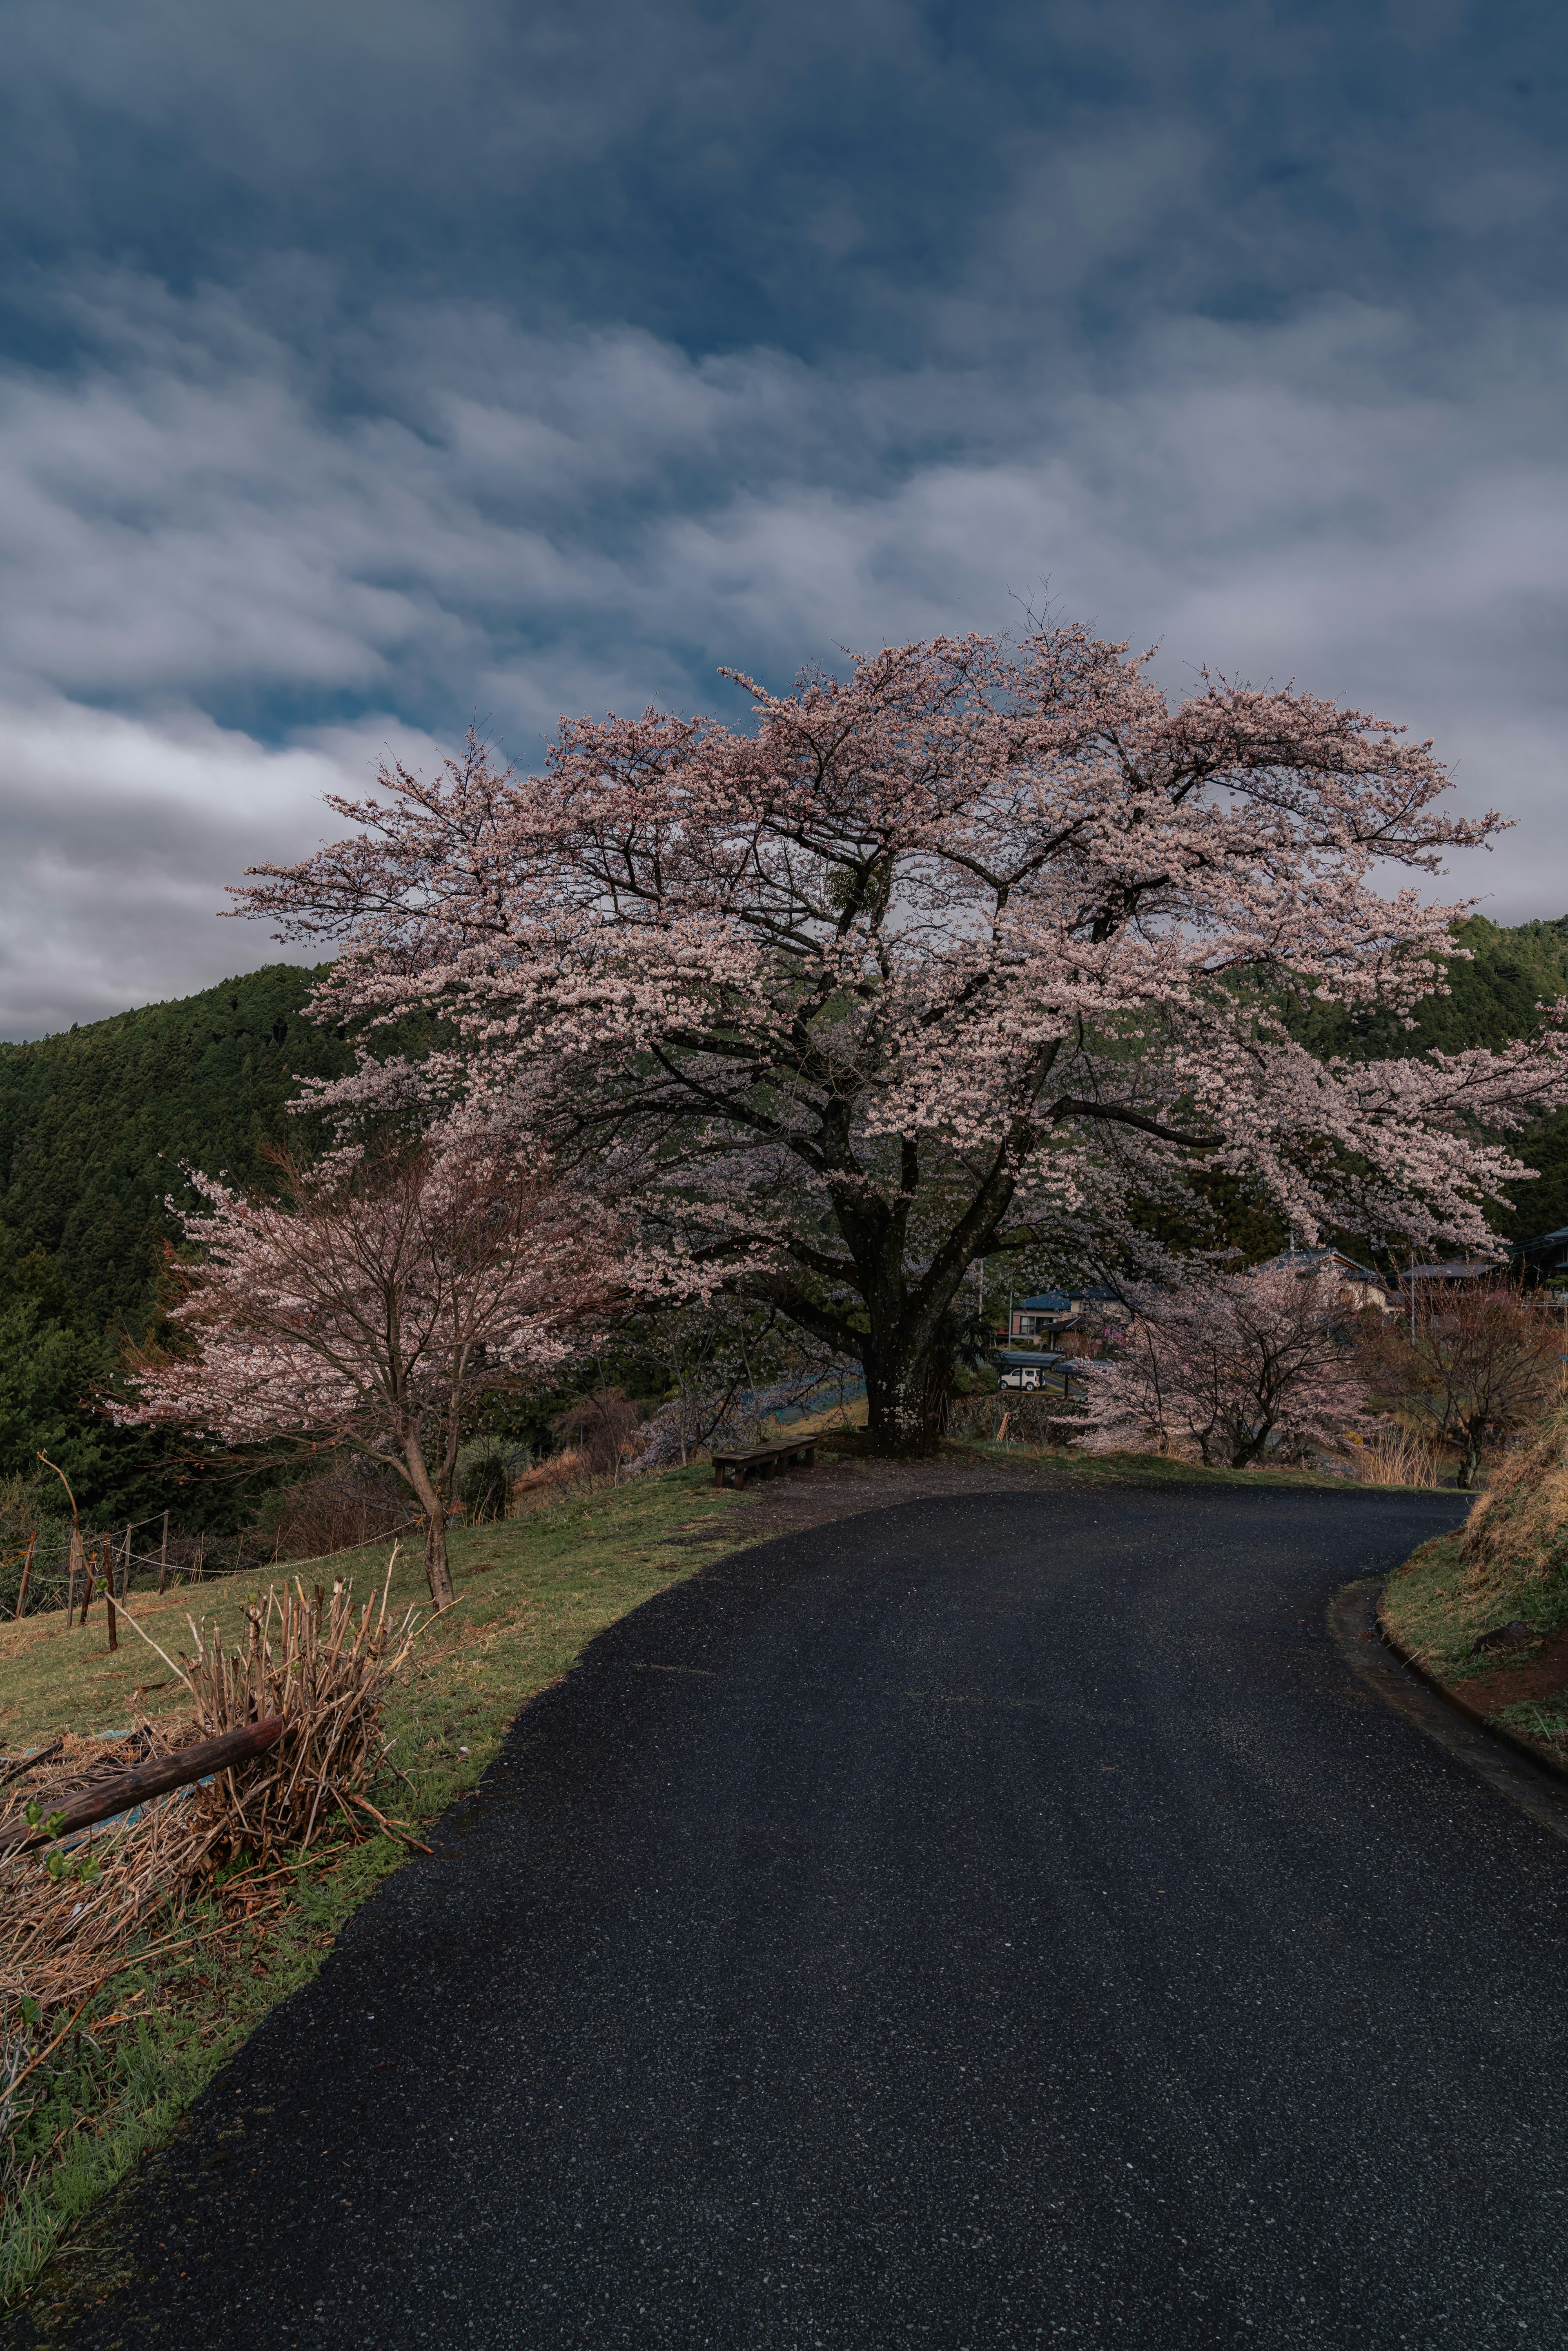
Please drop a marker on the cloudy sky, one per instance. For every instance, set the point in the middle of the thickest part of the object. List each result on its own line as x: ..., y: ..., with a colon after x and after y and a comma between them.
x: 370, y: 366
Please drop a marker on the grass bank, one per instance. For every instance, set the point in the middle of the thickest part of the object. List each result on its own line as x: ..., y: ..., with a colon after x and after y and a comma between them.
x: 1485, y: 1611
x: 1154, y: 1469
x: 535, y: 1591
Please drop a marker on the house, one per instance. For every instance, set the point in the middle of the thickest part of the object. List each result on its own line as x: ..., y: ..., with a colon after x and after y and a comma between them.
x: 1448, y: 1273
x: 1052, y: 1311
x: 1038, y: 1318
x: 1359, y: 1286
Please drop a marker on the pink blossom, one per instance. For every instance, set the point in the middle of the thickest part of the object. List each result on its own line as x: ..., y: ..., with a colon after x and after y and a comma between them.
x: 981, y: 947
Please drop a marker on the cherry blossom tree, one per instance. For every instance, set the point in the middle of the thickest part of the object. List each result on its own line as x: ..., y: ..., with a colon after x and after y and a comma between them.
x: 981, y: 948
x: 376, y: 1301
x: 1232, y: 1365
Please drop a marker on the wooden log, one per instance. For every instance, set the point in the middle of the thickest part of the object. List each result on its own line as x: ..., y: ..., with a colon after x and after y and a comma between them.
x: 147, y: 1781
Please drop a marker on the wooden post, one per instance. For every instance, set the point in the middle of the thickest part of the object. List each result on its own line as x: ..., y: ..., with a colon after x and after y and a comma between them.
x: 89, y: 1563
x: 125, y: 1568
x: 109, y: 1598
x: 76, y: 1567
x: 26, y: 1571
x: 163, y: 1555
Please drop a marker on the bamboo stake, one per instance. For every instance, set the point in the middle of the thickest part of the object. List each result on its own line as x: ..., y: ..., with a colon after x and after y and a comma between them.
x: 26, y: 1571
x: 163, y: 1555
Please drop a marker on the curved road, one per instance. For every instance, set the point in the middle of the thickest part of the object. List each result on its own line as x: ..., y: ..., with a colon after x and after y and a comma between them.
x: 988, y: 1922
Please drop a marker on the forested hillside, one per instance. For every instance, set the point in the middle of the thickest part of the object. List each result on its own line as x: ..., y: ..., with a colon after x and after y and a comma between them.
x: 94, y: 1125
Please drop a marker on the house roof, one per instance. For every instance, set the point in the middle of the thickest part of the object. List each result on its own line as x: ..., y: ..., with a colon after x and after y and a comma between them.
x: 1304, y: 1259
x: 1046, y: 1301
x: 1453, y: 1269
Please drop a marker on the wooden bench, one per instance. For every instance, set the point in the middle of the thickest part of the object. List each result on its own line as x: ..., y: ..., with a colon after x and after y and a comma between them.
x: 733, y: 1469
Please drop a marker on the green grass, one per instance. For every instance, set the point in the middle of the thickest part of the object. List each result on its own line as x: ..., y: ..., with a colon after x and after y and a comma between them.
x: 1426, y: 1610
x: 1545, y: 1719
x: 535, y: 1591
x: 1423, y: 1608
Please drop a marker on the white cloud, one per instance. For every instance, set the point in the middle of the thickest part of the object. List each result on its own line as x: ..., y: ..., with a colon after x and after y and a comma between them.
x: 120, y: 834
x: 219, y: 553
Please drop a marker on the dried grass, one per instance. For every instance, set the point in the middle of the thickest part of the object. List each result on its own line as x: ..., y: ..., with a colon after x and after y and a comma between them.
x: 69, y: 1912
x: 1395, y: 1455
x: 563, y: 1471
x: 1517, y: 1531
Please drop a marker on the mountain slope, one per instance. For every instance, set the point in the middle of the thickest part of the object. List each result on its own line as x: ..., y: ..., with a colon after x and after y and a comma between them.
x: 94, y: 1124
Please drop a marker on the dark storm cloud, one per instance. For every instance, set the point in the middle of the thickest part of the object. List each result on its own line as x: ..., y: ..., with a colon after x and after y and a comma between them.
x: 375, y: 367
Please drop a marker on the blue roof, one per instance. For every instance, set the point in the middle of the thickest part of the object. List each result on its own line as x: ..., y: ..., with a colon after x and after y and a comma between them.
x: 1049, y: 1302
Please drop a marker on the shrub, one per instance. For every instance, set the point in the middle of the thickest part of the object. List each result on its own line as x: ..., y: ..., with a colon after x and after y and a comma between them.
x: 488, y: 1473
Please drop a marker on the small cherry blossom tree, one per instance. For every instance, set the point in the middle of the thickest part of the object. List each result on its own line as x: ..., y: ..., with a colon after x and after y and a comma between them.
x: 981, y: 948
x: 1231, y: 1365
x: 376, y: 1301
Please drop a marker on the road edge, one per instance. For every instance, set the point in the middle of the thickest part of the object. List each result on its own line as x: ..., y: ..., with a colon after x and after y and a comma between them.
x: 1507, y: 1766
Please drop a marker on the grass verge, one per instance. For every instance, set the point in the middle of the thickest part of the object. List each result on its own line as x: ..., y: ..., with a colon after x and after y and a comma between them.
x: 1436, y: 1614
x: 1156, y: 1469
x: 535, y: 1592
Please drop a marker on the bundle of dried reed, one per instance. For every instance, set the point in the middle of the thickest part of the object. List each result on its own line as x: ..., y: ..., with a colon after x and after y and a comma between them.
x: 68, y: 1912
x: 322, y: 1664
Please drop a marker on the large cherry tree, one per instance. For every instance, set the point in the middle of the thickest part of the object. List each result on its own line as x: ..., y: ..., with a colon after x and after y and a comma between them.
x: 979, y: 946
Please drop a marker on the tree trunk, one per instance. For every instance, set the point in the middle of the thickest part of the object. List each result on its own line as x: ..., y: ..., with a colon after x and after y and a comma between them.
x: 1469, y: 1459
x: 904, y: 1402
x: 436, y: 1572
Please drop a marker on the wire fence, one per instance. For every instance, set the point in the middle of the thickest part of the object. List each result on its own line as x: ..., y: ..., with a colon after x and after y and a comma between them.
x: 58, y: 1565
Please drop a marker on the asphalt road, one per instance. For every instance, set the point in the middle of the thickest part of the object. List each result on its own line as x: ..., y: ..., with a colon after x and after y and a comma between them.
x: 988, y: 1922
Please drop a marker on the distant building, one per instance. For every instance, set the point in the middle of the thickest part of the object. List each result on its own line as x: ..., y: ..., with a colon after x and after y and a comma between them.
x: 1448, y: 1273
x: 1359, y: 1286
x: 1041, y: 1317
x: 1051, y: 1312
